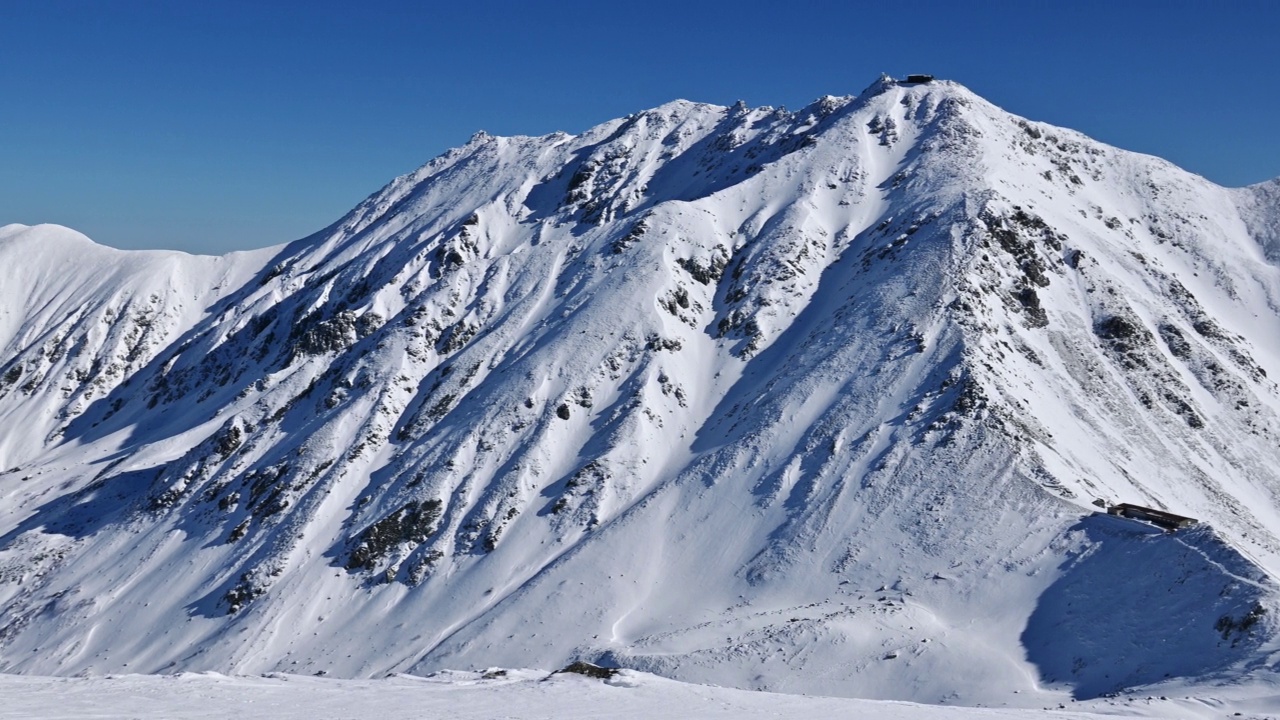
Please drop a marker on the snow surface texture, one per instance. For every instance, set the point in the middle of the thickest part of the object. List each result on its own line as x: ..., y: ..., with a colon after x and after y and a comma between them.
x: 512, y: 695
x: 813, y: 401
x: 508, y: 694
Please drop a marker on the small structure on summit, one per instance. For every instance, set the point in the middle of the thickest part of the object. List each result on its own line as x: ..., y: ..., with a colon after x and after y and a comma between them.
x: 1166, y: 520
x: 919, y: 78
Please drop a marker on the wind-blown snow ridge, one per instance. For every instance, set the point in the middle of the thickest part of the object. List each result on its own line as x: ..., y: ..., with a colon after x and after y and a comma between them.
x: 811, y: 401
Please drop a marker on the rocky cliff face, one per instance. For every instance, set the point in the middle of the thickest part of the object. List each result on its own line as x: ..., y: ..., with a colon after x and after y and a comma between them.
x: 815, y: 401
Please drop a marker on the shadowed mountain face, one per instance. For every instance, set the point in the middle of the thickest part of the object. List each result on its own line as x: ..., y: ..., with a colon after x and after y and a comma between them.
x: 810, y: 401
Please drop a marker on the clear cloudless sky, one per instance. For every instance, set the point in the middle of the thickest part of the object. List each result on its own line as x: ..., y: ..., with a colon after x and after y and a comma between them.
x: 234, y: 124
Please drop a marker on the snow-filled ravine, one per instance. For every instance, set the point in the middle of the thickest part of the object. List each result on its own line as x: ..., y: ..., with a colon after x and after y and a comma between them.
x: 826, y: 401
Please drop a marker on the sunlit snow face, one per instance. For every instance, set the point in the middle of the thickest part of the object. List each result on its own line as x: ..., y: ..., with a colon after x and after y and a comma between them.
x: 814, y: 401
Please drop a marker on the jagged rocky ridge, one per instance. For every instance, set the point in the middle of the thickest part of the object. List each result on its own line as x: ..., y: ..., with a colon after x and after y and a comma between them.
x: 815, y: 401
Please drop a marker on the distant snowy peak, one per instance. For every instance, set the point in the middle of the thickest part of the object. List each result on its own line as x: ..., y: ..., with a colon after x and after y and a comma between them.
x: 720, y: 380
x: 1260, y: 209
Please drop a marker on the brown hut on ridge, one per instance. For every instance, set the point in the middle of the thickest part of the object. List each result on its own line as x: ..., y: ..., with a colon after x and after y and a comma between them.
x: 1166, y: 520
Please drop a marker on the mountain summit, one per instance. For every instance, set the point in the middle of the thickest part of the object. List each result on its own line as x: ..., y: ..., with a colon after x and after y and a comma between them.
x: 813, y: 401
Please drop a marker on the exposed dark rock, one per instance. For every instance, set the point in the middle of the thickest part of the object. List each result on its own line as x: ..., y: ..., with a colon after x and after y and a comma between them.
x: 1115, y: 327
x: 332, y: 335
x: 456, y: 336
x: 590, y: 670
x: 227, y: 440
x: 708, y: 272
x: 1175, y: 341
x: 1209, y: 329
x: 244, y: 592
x: 1228, y: 625
x: 1035, y: 315
x: 414, y: 522
x: 1128, y: 338
x: 633, y: 235
x: 656, y: 342
x: 239, y: 531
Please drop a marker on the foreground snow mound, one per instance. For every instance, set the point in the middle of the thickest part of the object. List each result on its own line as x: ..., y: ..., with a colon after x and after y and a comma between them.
x: 1127, y: 589
x: 512, y: 694
x: 812, y: 401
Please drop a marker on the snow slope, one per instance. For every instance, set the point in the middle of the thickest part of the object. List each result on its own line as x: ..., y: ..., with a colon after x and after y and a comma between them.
x: 813, y: 401
x: 514, y: 694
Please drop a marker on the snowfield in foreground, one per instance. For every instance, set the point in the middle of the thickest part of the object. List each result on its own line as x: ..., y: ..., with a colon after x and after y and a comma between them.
x: 515, y: 695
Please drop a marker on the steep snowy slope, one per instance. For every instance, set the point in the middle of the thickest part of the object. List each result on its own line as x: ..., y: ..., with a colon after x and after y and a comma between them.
x: 1260, y: 208
x: 811, y: 401
x: 78, y: 319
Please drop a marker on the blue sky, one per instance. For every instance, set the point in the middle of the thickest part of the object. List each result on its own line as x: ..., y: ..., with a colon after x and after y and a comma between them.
x: 226, y: 125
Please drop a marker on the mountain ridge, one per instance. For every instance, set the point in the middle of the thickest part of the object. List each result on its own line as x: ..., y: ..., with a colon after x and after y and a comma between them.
x: 897, y: 341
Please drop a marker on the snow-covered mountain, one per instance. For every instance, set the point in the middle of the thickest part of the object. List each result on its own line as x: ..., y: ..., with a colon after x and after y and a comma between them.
x: 813, y: 401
